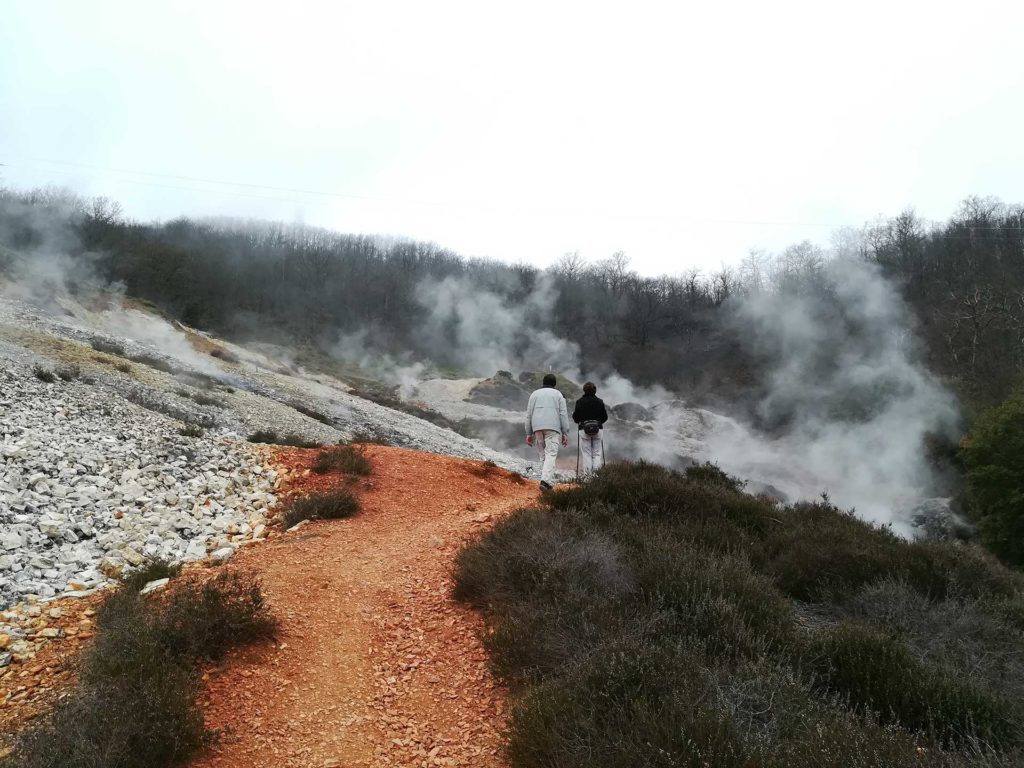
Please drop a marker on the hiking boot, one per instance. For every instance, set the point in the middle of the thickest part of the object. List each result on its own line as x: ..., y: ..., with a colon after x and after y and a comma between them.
x: 546, y: 486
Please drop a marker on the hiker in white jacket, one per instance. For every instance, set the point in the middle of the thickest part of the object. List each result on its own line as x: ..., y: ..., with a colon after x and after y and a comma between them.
x: 547, y: 418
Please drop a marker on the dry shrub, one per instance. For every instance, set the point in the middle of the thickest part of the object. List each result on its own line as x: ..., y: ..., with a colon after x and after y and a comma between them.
x: 272, y: 438
x: 134, y: 704
x: 348, y: 459
x: 329, y: 505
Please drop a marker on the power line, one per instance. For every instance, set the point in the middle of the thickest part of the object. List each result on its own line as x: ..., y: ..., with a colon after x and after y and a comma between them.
x: 431, y: 203
x: 412, y: 201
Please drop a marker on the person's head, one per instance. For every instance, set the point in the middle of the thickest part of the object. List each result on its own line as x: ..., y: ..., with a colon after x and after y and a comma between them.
x: 589, y: 388
x: 549, y: 380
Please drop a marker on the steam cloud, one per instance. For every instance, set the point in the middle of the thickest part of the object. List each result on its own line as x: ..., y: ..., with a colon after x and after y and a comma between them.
x: 484, y: 333
x: 846, y: 411
x: 401, y: 372
x: 854, y: 400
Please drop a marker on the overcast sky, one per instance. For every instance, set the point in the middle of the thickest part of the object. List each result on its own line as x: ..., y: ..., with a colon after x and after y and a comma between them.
x: 684, y: 134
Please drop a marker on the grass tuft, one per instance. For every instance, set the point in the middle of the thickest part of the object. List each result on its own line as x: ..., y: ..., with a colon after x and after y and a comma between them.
x: 44, y: 374
x: 329, y: 505
x: 107, y: 347
x: 272, y: 438
x: 348, y: 459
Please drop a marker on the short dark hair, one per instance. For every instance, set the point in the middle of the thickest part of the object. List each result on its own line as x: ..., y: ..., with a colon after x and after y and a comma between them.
x: 550, y: 380
x: 589, y: 388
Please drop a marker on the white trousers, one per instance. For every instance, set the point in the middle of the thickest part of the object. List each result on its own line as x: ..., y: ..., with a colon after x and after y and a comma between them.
x: 591, y: 453
x: 547, y: 442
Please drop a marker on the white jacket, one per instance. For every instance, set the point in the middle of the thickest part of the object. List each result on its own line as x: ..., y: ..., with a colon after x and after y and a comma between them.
x: 547, y: 410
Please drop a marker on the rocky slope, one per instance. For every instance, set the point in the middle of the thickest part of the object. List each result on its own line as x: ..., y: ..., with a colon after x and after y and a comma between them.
x: 124, y: 439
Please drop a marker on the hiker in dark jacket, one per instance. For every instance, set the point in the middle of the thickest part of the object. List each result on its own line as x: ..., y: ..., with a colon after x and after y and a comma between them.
x: 590, y: 416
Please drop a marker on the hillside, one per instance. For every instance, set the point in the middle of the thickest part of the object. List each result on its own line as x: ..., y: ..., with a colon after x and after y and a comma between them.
x: 128, y: 438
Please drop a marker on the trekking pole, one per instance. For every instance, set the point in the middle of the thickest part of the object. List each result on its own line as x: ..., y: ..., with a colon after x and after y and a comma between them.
x: 578, y: 456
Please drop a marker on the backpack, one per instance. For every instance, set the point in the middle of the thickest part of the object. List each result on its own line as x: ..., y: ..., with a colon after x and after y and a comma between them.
x: 590, y: 427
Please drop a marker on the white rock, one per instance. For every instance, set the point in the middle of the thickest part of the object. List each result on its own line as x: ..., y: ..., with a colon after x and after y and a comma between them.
x: 222, y: 555
x: 152, y: 586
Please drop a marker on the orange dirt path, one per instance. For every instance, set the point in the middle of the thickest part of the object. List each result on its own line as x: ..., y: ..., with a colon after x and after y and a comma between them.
x: 375, y: 663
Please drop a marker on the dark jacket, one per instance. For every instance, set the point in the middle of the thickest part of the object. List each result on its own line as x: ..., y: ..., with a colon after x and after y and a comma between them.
x: 590, y: 408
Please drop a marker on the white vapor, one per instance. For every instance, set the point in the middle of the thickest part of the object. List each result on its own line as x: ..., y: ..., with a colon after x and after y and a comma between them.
x: 402, y: 373
x: 848, y: 387
x: 484, y: 332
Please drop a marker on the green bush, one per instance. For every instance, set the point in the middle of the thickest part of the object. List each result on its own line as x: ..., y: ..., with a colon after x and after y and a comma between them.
x: 716, y: 599
x: 348, y: 459
x: 651, y: 617
x: 634, y: 704
x: 204, y: 622
x: 994, y: 454
x: 877, y: 672
x: 329, y: 505
x: 134, y: 703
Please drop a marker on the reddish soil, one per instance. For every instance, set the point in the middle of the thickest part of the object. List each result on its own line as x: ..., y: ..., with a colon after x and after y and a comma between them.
x: 29, y: 688
x: 375, y: 663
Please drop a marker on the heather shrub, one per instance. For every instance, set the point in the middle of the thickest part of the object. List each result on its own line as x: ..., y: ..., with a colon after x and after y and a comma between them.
x: 44, y: 374
x: 877, y: 672
x: 651, y: 617
x: 272, y: 438
x: 329, y: 505
x: 151, y: 570
x: 134, y: 703
x: 347, y: 459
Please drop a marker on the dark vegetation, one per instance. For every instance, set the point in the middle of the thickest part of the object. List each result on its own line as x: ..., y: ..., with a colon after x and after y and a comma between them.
x: 388, y: 397
x: 156, y: 401
x: 200, y: 398
x: 994, y: 453
x: 151, y: 570
x: 316, y: 415
x: 45, y: 375
x: 224, y: 354
x: 156, y: 363
x: 191, y: 430
x: 484, y: 468
x: 107, y: 347
x: 658, y: 618
x: 68, y: 372
x: 272, y: 438
x: 334, y: 504
x: 347, y: 459
x: 963, y: 278
x: 134, y: 704
x: 369, y: 438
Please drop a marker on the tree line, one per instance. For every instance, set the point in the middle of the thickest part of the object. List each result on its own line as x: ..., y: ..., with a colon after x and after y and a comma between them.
x: 963, y: 279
